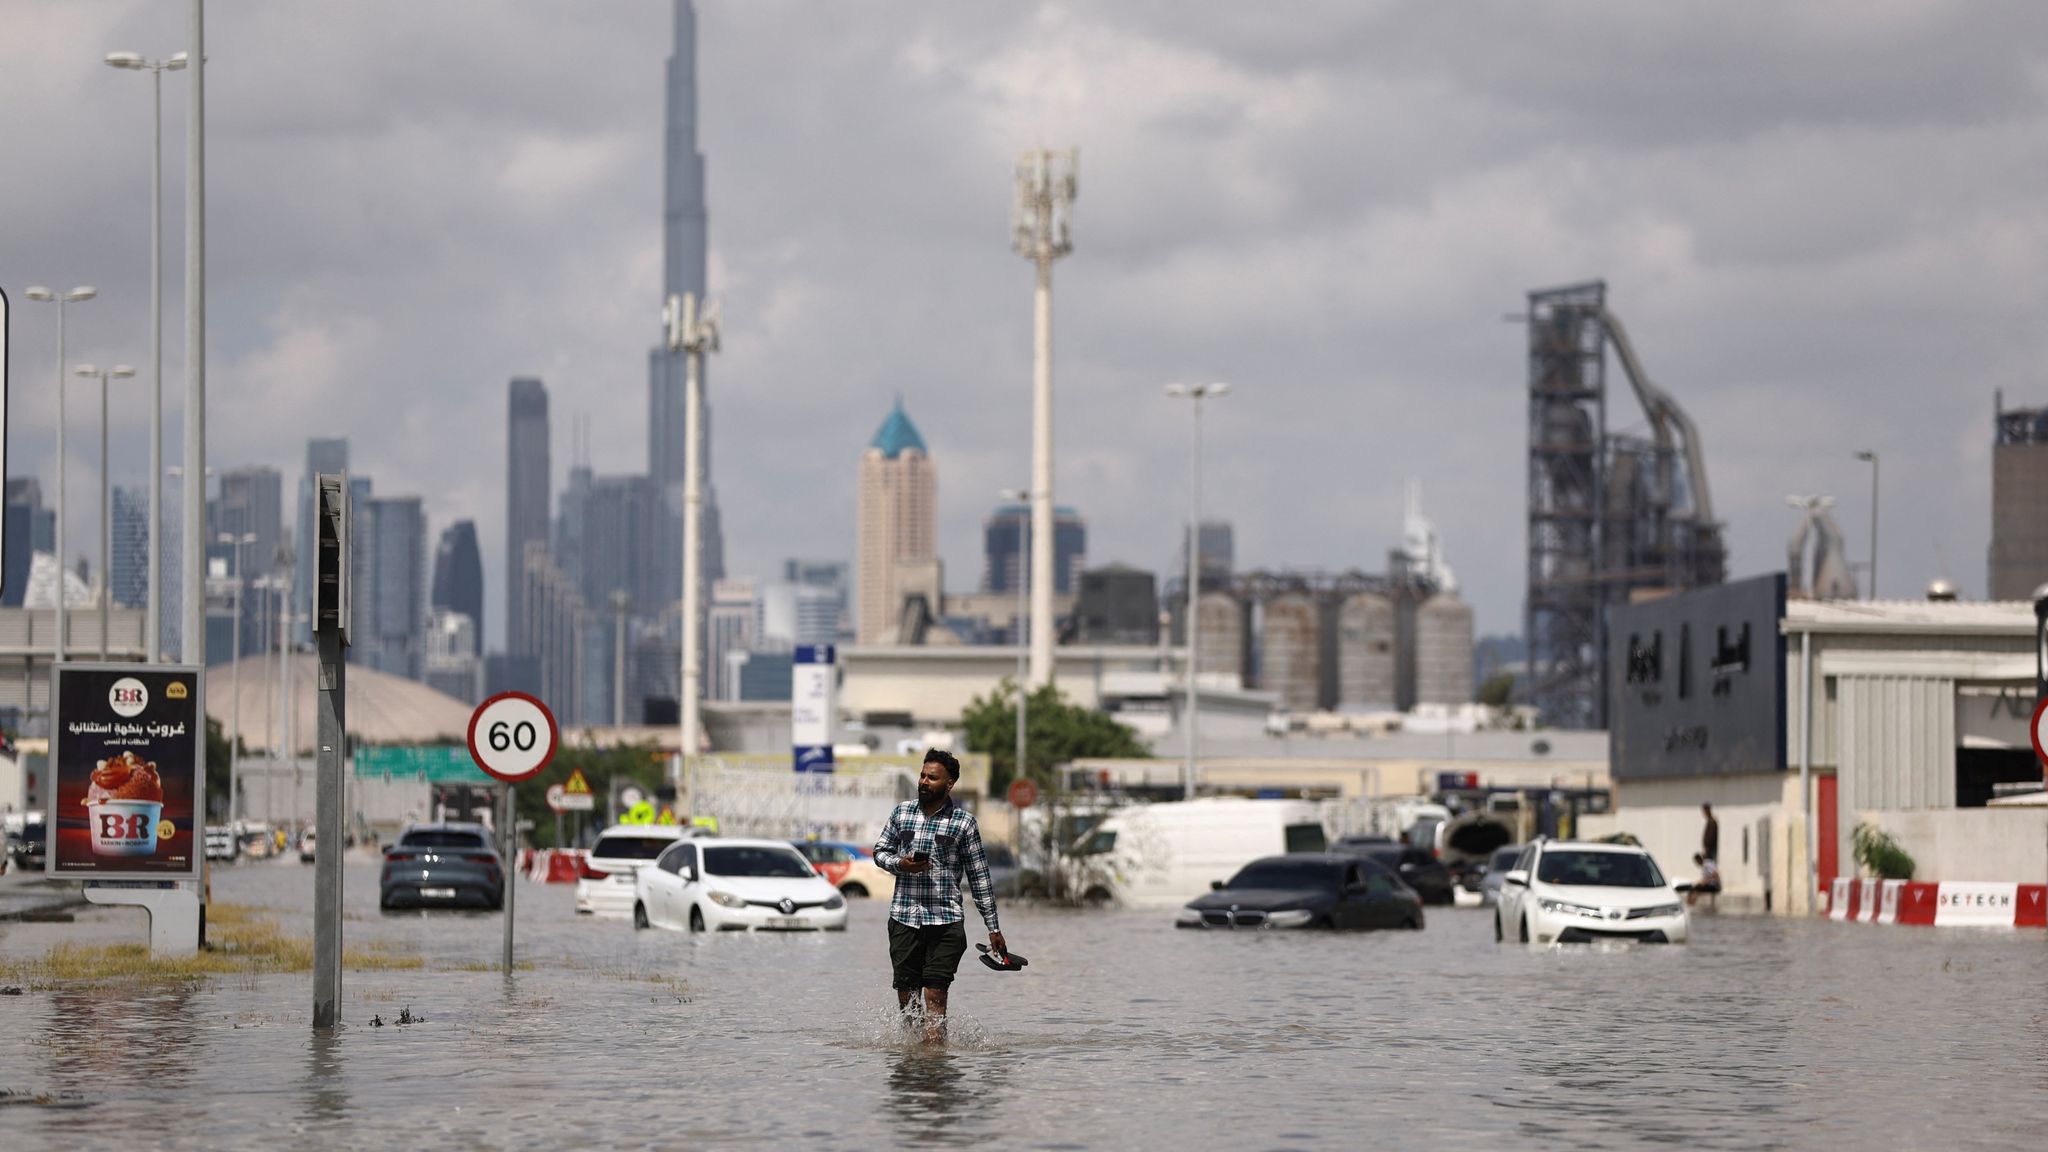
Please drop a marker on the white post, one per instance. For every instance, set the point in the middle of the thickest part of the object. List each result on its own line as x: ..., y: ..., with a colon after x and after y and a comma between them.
x: 1194, y: 608
x: 63, y: 631
x: 692, y: 329
x: 235, y: 679
x: 1806, y: 761
x: 192, y: 643
x: 1046, y: 186
x: 105, y: 581
x: 154, y: 624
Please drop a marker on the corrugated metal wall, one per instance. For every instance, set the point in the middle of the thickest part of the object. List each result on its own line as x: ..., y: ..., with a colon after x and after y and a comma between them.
x: 1896, y: 738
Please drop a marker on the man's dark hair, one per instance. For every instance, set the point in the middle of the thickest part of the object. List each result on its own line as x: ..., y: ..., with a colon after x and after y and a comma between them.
x: 946, y: 760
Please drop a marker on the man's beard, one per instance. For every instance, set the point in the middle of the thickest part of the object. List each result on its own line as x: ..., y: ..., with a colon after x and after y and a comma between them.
x: 927, y: 792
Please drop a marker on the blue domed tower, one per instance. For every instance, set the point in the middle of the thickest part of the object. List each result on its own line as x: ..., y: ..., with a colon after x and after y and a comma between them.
x: 898, y: 524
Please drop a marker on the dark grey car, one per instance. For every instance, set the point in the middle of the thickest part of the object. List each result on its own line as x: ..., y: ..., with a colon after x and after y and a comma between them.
x: 442, y: 866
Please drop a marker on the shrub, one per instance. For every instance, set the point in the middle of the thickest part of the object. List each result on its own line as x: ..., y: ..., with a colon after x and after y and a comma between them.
x: 1880, y: 854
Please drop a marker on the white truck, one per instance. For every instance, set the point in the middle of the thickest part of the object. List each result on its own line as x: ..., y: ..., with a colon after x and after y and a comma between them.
x: 1169, y: 853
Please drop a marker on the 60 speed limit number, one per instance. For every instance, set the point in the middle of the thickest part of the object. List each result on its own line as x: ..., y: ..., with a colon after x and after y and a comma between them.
x: 512, y: 736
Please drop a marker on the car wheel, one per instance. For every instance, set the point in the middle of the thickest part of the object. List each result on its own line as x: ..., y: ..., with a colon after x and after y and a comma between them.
x: 1096, y: 897
x: 696, y: 919
x: 854, y: 891
x: 640, y: 915
x: 1525, y: 929
x: 1415, y: 922
x: 1498, y: 935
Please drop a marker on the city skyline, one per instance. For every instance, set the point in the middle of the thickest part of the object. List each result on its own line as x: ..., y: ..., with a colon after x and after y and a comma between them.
x: 1352, y: 295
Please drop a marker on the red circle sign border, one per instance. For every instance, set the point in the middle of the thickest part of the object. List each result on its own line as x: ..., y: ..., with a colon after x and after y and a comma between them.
x: 554, y: 736
x: 2034, y: 731
x: 1026, y: 787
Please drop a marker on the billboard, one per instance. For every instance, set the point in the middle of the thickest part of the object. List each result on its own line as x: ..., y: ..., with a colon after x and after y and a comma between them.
x: 812, y: 705
x: 127, y: 772
x: 1698, y: 682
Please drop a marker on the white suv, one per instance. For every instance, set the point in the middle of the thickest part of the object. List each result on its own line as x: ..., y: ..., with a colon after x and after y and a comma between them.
x: 1572, y: 892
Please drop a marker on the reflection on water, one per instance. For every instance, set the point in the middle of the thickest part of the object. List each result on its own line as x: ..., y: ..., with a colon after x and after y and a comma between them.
x: 1123, y: 1034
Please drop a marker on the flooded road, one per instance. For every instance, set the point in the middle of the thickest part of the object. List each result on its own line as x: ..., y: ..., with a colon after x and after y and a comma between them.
x: 1124, y: 1033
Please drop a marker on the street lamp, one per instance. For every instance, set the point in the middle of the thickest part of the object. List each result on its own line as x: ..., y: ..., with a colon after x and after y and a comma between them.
x: 235, y: 675
x: 106, y: 591
x: 135, y: 62
x: 1022, y: 496
x: 75, y: 296
x: 1196, y: 393
x: 1870, y: 458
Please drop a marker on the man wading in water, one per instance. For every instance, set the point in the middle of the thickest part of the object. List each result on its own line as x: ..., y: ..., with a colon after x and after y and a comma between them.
x: 928, y: 844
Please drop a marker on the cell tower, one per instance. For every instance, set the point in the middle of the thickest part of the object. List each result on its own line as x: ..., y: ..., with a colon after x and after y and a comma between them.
x: 1610, y: 515
x: 1041, y: 228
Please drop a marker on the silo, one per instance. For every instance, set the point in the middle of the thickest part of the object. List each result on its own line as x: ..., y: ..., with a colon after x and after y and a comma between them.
x: 1443, y: 650
x: 1288, y: 656
x: 1221, y: 635
x: 1365, y: 653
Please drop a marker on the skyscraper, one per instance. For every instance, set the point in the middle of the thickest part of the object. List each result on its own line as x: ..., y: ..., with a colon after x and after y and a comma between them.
x: 30, y: 528
x: 526, y: 501
x: 394, y: 549
x: 898, y: 521
x: 1004, y: 555
x: 684, y: 247
x: 2019, y: 502
x: 459, y: 578
x: 604, y: 538
x: 250, y: 503
x: 322, y: 456
x: 129, y: 570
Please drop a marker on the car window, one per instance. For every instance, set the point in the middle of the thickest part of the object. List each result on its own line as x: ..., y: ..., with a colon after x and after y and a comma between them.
x: 1102, y: 841
x: 630, y: 847
x: 1305, y: 838
x: 671, y: 860
x: 1504, y: 859
x: 1378, y: 882
x: 1423, y: 831
x: 756, y: 860
x: 1599, y: 869
x: 1417, y: 857
x: 1527, y: 857
x: 1278, y: 873
x: 442, y: 838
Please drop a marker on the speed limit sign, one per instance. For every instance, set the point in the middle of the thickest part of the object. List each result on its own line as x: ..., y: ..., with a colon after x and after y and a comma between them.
x: 512, y: 736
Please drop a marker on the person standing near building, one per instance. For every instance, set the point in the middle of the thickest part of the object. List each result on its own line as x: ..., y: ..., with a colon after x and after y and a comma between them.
x: 1710, y: 836
x: 928, y: 844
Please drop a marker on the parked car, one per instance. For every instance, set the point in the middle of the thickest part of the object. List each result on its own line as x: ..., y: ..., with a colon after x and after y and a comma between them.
x: 850, y: 867
x: 1004, y: 874
x: 444, y: 865
x: 1497, y: 866
x: 1469, y: 842
x: 28, y: 849
x: 220, y: 844
x: 1306, y: 890
x: 1151, y: 854
x: 1574, y: 892
x: 604, y: 876
x: 735, y: 885
x: 308, y: 843
x: 1421, y: 871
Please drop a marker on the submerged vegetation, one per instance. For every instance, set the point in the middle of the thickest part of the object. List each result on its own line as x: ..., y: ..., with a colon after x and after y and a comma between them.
x: 241, y: 941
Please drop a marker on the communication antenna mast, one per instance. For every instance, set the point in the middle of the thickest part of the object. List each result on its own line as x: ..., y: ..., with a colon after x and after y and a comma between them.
x: 1041, y: 231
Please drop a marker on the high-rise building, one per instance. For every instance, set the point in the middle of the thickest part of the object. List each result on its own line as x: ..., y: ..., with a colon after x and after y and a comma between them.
x: 129, y: 569
x: 604, y: 539
x: 1117, y: 605
x: 250, y: 502
x: 30, y: 528
x: 830, y: 575
x: 527, y: 492
x: 685, y: 244
x: 2019, y: 502
x: 394, y: 549
x: 1219, y: 551
x: 898, y: 521
x: 322, y: 457
x: 731, y: 625
x: 451, y: 661
x: 459, y: 578
x: 556, y: 618
x: 793, y: 614
x: 1004, y: 557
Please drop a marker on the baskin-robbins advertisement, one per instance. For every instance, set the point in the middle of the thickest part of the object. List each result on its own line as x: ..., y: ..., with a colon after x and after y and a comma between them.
x: 127, y: 754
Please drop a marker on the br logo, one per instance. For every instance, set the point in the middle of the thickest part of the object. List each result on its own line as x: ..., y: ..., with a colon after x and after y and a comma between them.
x: 124, y: 826
x: 128, y: 697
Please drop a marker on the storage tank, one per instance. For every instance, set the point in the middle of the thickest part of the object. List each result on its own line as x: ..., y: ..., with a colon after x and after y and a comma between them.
x: 1365, y: 653
x: 1443, y: 650
x: 1288, y: 651
x: 1220, y: 637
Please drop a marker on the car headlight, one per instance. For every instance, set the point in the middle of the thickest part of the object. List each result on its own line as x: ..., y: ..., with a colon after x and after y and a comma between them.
x: 1292, y: 918
x: 835, y: 903
x: 1659, y: 910
x: 1574, y: 909
x: 1188, y: 917
x: 727, y: 900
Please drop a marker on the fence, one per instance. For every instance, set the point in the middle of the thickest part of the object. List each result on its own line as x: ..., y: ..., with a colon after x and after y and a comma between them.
x: 762, y: 797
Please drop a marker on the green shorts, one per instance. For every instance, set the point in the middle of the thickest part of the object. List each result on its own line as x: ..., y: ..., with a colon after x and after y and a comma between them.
x: 926, y: 957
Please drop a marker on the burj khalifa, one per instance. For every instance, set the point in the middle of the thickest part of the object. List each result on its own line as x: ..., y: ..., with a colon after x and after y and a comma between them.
x: 684, y: 246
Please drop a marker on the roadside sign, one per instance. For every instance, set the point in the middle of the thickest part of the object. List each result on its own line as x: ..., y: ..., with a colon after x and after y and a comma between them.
x: 127, y: 755
x: 2040, y: 750
x: 512, y: 736
x: 1023, y: 793
x: 577, y: 785
x: 561, y: 799
x: 555, y: 797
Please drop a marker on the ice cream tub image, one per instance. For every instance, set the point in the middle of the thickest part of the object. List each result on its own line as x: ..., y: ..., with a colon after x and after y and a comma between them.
x: 124, y: 827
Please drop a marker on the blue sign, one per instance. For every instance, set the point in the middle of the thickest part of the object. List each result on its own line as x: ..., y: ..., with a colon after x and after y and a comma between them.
x: 813, y: 707
x: 814, y: 758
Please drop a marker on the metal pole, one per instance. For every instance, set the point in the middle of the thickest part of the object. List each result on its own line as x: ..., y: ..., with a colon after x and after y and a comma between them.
x: 328, y: 831
x: 192, y: 642
x: 1043, y: 539
x: 1194, y: 612
x: 619, y: 603
x: 154, y: 625
x: 63, y: 631
x: 106, y: 522
x: 1806, y: 761
x: 1873, y: 525
x: 511, y: 869
x: 1023, y: 615
x: 695, y: 336
x: 235, y: 675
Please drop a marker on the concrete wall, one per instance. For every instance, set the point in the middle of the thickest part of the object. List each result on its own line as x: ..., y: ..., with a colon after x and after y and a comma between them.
x: 1665, y: 816
x: 1994, y: 844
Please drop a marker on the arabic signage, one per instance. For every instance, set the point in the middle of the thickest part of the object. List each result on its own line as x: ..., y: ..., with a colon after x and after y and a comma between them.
x: 128, y: 771
x: 1697, y: 682
x: 811, y: 707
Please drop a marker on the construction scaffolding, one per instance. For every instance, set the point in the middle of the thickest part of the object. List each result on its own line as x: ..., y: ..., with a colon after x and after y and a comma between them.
x: 1610, y: 515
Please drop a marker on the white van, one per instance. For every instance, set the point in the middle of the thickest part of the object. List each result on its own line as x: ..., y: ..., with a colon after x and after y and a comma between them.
x: 1167, y: 854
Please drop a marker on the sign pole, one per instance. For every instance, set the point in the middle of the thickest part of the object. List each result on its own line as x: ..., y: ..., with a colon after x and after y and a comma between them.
x: 330, y: 630
x: 511, y: 867
x: 512, y: 736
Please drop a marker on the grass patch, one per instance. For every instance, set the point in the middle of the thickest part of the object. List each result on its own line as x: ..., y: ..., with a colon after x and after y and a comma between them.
x: 241, y: 941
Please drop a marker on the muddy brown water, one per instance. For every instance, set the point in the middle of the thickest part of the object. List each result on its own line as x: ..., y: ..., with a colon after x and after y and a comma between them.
x: 1123, y: 1033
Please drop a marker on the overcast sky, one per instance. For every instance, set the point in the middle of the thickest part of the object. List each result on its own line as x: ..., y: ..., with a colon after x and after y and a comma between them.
x: 1824, y: 224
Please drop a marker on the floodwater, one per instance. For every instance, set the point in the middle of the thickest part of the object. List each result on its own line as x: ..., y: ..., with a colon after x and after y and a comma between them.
x: 1124, y: 1033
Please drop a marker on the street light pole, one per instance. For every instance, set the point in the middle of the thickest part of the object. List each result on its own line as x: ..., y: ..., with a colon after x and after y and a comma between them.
x: 106, y: 584
x: 1023, y: 497
x: 192, y: 634
x: 235, y: 674
x: 75, y: 296
x: 1870, y: 458
x: 134, y: 61
x: 693, y: 330
x: 1195, y: 393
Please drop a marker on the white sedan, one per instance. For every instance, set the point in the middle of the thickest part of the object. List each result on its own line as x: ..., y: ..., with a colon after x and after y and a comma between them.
x: 1568, y: 892
x: 604, y: 876
x: 734, y: 885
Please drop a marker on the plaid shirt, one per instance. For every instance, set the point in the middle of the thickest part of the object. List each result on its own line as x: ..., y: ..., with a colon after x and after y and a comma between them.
x: 952, y: 840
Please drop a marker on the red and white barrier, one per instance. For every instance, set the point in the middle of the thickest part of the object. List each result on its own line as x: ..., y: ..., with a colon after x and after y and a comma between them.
x: 1950, y: 903
x: 551, y: 865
